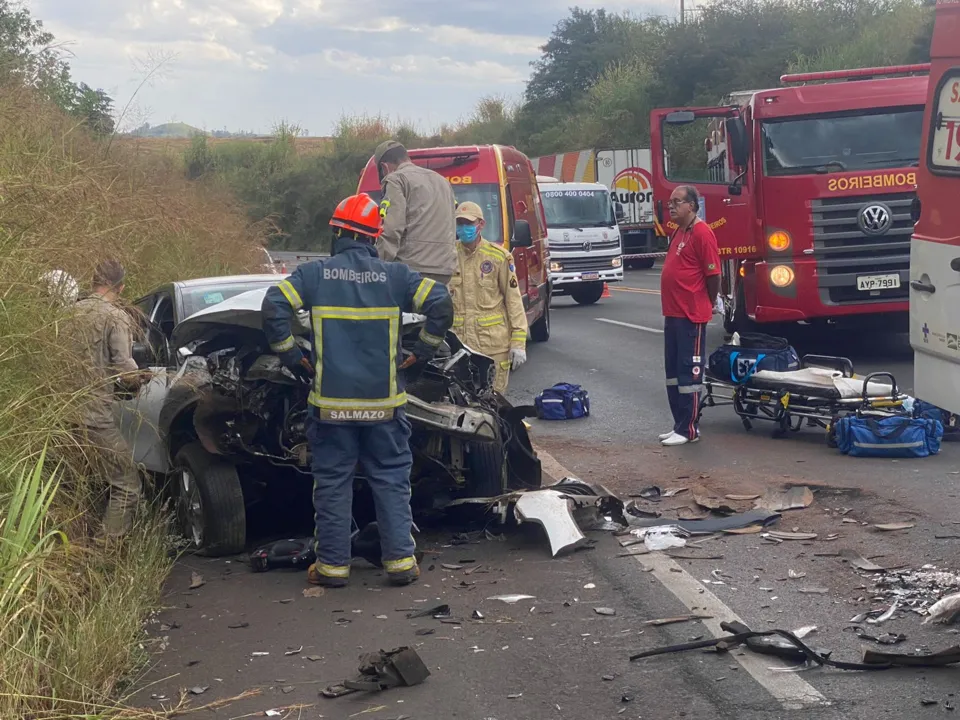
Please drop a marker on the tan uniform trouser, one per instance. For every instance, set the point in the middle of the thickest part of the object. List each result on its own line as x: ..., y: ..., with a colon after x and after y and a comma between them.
x: 503, y: 372
x: 113, y: 463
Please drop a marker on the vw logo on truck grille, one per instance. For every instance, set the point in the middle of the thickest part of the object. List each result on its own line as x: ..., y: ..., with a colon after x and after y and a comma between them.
x: 875, y: 219
x: 587, y: 246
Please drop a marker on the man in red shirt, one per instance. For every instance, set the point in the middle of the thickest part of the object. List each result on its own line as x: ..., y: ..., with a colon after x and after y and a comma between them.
x: 689, y: 285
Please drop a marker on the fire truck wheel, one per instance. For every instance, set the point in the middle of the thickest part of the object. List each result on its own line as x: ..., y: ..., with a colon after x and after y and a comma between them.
x: 540, y: 330
x: 642, y: 264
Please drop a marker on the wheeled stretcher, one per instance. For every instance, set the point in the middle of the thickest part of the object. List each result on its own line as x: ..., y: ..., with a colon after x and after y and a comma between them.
x: 823, y: 390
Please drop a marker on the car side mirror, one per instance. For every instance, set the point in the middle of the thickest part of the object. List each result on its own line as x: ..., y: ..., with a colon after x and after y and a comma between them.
x: 522, y: 237
x: 144, y: 355
x: 680, y: 117
x: 618, y: 210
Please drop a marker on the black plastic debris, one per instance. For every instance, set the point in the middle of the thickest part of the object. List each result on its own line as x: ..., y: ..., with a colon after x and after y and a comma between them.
x: 885, y: 639
x: 292, y: 554
x: 383, y: 670
x: 439, y: 612
x: 477, y: 615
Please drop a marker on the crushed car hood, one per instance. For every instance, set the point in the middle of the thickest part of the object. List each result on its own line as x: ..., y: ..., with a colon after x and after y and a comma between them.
x: 241, y: 311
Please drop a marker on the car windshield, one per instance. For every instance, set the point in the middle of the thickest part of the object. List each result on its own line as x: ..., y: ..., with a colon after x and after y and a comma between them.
x: 840, y: 143
x: 196, y: 299
x: 578, y: 208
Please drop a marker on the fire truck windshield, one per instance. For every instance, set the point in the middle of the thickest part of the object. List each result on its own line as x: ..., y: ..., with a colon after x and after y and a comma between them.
x: 842, y: 142
x: 578, y: 208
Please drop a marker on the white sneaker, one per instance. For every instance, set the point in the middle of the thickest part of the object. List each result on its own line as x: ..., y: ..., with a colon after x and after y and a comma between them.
x: 678, y: 439
x: 663, y: 436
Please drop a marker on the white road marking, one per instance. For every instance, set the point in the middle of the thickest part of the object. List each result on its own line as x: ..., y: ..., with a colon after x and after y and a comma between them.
x: 630, y: 325
x: 790, y: 690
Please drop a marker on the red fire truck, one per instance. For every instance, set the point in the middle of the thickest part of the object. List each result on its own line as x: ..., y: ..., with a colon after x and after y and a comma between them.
x: 808, y: 188
x: 935, y: 250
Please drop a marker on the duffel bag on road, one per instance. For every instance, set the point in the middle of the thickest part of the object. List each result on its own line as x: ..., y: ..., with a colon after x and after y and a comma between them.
x: 756, y: 351
x: 899, y: 436
x: 563, y: 401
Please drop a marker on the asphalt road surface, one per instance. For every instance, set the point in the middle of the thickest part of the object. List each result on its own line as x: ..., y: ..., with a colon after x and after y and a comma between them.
x: 553, y: 655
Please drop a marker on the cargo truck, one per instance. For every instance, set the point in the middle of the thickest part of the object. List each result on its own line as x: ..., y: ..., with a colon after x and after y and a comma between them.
x: 583, y: 236
x: 626, y: 173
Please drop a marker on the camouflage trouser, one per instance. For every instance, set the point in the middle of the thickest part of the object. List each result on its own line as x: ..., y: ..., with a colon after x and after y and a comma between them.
x: 502, y: 361
x: 113, y: 463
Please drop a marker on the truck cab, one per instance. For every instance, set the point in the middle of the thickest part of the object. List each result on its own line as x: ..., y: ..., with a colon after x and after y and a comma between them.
x: 585, y: 246
x: 935, y: 245
x: 502, y: 182
x: 808, y: 189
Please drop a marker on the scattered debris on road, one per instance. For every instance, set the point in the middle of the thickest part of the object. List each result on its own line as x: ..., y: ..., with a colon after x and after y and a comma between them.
x: 795, y: 498
x: 512, y: 599
x: 944, y: 611
x: 605, y: 611
x: 199, y: 689
x: 313, y: 592
x: 673, y: 620
x: 437, y: 612
x: 381, y: 671
x: 890, y: 527
x: 196, y: 581
x: 920, y: 589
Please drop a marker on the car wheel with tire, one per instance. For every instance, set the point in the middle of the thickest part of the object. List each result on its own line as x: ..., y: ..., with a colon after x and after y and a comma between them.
x: 210, y: 507
x: 487, y: 465
x: 588, y: 293
x: 641, y: 263
x: 540, y: 330
x: 735, y: 318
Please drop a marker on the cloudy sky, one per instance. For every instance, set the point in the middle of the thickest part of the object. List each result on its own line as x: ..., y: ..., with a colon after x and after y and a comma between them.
x: 247, y: 64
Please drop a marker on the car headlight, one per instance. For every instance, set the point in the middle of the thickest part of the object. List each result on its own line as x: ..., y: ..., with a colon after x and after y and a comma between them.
x: 781, y: 276
x: 556, y: 267
x: 616, y: 262
x: 779, y: 240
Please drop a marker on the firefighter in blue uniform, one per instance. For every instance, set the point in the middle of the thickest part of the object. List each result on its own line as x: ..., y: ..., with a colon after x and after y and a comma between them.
x: 355, y: 303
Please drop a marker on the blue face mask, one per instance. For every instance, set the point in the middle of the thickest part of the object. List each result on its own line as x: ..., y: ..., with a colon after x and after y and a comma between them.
x: 467, y: 233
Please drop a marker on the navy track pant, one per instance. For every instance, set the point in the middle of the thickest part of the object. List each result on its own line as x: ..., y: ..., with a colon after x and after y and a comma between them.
x: 684, y: 344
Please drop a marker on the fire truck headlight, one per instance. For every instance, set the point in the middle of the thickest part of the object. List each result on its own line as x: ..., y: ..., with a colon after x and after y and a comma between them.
x: 616, y: 262
x: 779, y: 240
x: 556, y: 267
x: 781, y: 276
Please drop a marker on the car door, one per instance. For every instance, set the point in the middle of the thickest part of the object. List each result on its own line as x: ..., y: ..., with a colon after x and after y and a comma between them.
x: 139, y: 416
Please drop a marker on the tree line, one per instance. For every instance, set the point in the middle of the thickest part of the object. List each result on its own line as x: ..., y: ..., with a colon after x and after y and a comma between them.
x: 597, y: 79
x: 29, y: 56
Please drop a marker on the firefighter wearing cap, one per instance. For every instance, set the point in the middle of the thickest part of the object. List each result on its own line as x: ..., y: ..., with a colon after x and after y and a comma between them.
x: 417, y: 209
x: 355, y: 303
x: 488, y: 310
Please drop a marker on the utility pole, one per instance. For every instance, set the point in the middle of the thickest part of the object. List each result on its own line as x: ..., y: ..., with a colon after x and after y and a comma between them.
x: 682, y: 13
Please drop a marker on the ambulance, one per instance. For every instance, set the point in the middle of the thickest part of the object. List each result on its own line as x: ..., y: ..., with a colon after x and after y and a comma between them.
x: 502, y: 182
x: 935, y: 245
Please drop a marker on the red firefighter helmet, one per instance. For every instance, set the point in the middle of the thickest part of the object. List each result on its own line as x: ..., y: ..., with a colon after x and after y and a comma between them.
x: 359, y: 214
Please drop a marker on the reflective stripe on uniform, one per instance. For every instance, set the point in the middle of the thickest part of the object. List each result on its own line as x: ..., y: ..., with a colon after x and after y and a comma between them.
x: 422, y: 292
x: 489, y: 251
x: 672, y: 382
x: 336, y: 571
x: 490, y: 320
x: 291, y: 294
x: 505, y: 365
x: 327, y: 312
x: 432, y: 340
x: 690, y: 389
x: 401, y: 565
x: 458, y: 321
x: 518, y: 335
x: 283, y: 345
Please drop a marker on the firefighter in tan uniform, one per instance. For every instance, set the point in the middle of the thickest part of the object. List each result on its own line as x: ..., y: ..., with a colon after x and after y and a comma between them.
x: 487, y: 308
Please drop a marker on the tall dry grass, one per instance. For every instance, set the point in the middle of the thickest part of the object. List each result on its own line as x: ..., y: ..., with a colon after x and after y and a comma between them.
x: 71, y: 612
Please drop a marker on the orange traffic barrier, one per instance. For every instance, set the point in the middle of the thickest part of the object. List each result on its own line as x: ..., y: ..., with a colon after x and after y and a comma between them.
x: 606, y: 291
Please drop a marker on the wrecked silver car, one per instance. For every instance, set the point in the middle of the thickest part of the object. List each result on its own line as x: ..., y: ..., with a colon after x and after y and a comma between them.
x: 232, y: 421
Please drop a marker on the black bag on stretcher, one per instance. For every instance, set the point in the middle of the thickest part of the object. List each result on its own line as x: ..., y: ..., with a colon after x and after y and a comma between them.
x: 756, y: 351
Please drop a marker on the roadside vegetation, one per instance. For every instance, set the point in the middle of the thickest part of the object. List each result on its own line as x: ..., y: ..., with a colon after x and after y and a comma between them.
x: 594, y: 85
x: 72, y: 612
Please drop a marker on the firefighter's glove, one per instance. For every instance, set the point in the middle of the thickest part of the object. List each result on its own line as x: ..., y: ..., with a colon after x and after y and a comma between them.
x: 518, y: 356
x: 299, y: 365
x: 422, y: 353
